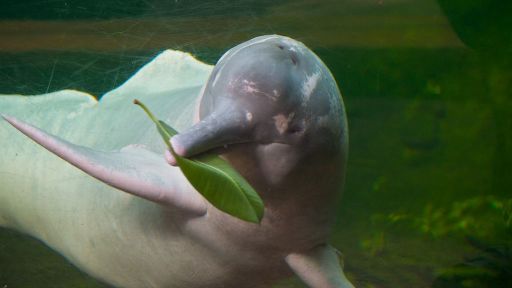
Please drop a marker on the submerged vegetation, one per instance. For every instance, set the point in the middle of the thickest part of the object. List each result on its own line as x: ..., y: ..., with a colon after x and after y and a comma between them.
x: 490, y: 268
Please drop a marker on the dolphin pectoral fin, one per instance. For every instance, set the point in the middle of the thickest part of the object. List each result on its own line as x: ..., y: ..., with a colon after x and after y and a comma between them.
x: 319, y: 267
x: 134, y: 170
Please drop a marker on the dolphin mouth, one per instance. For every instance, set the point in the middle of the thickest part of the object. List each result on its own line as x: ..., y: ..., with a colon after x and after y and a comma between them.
x: 187, y: 146
x: 219, y: 148
x: 226, y: 147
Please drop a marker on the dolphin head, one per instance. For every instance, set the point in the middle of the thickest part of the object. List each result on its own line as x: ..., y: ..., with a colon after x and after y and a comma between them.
x: 273, y: 101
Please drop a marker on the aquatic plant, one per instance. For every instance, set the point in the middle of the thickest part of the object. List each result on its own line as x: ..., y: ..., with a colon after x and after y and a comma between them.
x: 492, y: 267
x: 214, y: 178
x: 479, y: 216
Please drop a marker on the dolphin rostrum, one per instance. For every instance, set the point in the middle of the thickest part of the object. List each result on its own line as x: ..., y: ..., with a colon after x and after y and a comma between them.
x: 269, y: 106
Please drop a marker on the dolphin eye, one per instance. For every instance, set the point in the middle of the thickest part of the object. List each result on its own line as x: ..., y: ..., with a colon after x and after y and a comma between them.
x: 280, y: 46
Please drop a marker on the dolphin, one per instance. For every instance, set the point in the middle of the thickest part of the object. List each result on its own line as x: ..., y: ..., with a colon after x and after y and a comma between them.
x: 269, y: 106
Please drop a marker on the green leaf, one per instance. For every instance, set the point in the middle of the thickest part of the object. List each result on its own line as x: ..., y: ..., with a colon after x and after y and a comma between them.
x: 215, y: 179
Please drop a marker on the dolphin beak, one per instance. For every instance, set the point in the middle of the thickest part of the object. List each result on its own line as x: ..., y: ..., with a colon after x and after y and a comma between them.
x: 216, y: 130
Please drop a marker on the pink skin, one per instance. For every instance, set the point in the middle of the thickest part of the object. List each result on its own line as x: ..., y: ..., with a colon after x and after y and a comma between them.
x: 178, y: 149
x: 170, y: 158
x: 294, y: 229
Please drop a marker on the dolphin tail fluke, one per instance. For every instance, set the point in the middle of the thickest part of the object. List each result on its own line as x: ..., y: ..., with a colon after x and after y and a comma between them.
x: 319, y: 267
x: 134, y: 170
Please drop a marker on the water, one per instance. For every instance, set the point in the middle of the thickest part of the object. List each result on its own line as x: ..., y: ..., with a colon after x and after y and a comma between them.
x: 427, y: 87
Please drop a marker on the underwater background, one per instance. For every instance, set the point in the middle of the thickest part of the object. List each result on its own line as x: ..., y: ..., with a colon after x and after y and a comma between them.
x: 427, y: 88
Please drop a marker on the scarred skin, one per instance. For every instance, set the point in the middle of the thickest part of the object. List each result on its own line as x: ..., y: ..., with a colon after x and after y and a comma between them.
x: 273, y: 110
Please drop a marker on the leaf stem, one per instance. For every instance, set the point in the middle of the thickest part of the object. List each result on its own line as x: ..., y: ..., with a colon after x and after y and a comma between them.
x: 166, y: 134
x: 153, y: 118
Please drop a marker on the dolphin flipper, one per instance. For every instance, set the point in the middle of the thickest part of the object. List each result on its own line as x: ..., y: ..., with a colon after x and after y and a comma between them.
x: 319, y: 267
x: 134, y: 170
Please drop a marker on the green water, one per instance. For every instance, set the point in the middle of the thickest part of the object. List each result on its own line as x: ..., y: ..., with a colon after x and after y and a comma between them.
x: 427, y: 87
